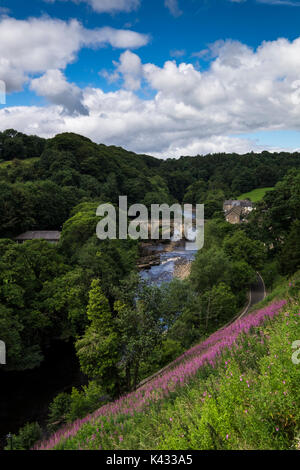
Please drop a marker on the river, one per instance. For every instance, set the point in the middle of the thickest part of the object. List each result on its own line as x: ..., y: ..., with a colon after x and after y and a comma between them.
x: 175, y: 257
x: 172, y: 263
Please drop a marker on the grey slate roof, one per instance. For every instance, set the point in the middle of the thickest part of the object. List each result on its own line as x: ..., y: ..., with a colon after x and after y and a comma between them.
x: 237, y: 203
x: 38, y: 235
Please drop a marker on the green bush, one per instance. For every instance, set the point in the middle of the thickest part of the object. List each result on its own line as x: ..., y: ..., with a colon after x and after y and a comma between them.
x: 27, y: 436
x: 58, y: 411
x: 66, y: 408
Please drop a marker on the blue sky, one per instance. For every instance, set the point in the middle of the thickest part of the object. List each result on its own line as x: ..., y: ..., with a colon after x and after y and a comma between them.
x: 166, y: 77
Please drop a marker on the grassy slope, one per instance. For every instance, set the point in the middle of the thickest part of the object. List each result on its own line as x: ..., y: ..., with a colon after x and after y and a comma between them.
x: 237, y: 390
x: 256, y: 195
x: 9, y: 163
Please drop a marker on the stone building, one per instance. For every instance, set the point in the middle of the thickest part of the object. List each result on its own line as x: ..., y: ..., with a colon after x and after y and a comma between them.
x: 49, y: 236
x: 235, y: 210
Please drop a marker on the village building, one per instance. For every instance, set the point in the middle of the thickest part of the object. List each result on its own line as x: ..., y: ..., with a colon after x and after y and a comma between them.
x: 236, y: 210
x: 49, y: 236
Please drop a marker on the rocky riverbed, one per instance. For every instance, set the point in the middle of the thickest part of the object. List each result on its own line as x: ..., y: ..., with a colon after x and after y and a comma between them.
x: 161, y: 262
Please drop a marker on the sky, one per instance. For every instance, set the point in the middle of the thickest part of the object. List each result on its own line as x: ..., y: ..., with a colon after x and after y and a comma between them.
x: 160, y: 77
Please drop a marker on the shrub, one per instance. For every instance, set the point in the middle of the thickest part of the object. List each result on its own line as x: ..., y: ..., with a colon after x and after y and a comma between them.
x: 27, y: 436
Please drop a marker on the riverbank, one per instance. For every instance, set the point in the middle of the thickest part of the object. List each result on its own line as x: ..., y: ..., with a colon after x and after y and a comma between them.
x: 182, y: 270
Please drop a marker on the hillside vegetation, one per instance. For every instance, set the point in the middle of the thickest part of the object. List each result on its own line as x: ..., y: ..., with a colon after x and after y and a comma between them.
x: 88, y: 292
x: 255, y: 195
x: 42, y: 180
x: 239, y: 389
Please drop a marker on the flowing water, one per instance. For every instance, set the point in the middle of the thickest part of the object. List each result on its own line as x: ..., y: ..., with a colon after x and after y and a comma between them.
x: 182, y: 252
x: 164, y: 272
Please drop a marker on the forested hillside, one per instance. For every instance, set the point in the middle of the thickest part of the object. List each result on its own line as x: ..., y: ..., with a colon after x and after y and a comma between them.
x: 42, y: 180
x: 236, y: 390
x: 88, y: 292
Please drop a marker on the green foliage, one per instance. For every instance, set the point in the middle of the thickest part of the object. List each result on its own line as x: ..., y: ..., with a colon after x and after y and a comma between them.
x: 158, y: 194
x: 67, y: 408
x: 272, y: 220
x: 65, y: 298
x: 240, y: 247
x: 123, y: 333
x: 270, y: 273
x: 141, y: 327
x: 215, y: 232
x: 25, y: 321
x: 196, y: 193
x: 27, y: 436
x: 98, y: 350
x: 248, y: 401
x: 290, y: 254
x: 210, y: 267
x: 218, y: 304
x: 89, y: 399
x: 79, y: 228
x: 58, y: 411
x: 16, y: 145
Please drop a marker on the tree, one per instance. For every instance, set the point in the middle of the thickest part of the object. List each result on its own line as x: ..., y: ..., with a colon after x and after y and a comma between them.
x: 241, y: 276
x: 25, y: 323
x: 271, y: 221
x: 209, y: 268
x: 144, y: 314
x: 196, y: 193
x: 98, y: 350
x: 290, y: 254
x: 79, y: 228
x: 218, y: 304
x: 215, y: 232
x: 240, y: 247
x: 65, y: 298
x: 58, y: 411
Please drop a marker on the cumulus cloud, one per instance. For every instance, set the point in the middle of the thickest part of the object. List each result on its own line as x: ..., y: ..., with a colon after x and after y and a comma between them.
x: 243, y: 91
x: 173, y: 7
x: 55, y: 88
x: 36, y: 45
x: 129, y: 68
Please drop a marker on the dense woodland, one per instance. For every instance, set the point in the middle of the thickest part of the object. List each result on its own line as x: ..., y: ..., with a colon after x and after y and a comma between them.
x: 88, y: 291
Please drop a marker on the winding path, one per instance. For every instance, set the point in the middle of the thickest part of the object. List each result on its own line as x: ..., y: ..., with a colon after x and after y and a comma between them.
x: 257, y: 294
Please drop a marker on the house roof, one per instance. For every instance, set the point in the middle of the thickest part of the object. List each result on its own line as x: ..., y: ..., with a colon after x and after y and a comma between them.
x: 39, y: 235
x: 238, y: 203
x: 234, y: 211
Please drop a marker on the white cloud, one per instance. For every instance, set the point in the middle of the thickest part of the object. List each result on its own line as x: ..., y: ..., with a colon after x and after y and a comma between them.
x: 102, y: 6
x: 290, y: 3
x: 108, y: 6
x: 55, y: 88
x: 129, y: 68
x: 177, y: 53
x: 36, y: 45
x: 242, y: 92
x: 4, y: 11
x: 173, y: 7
